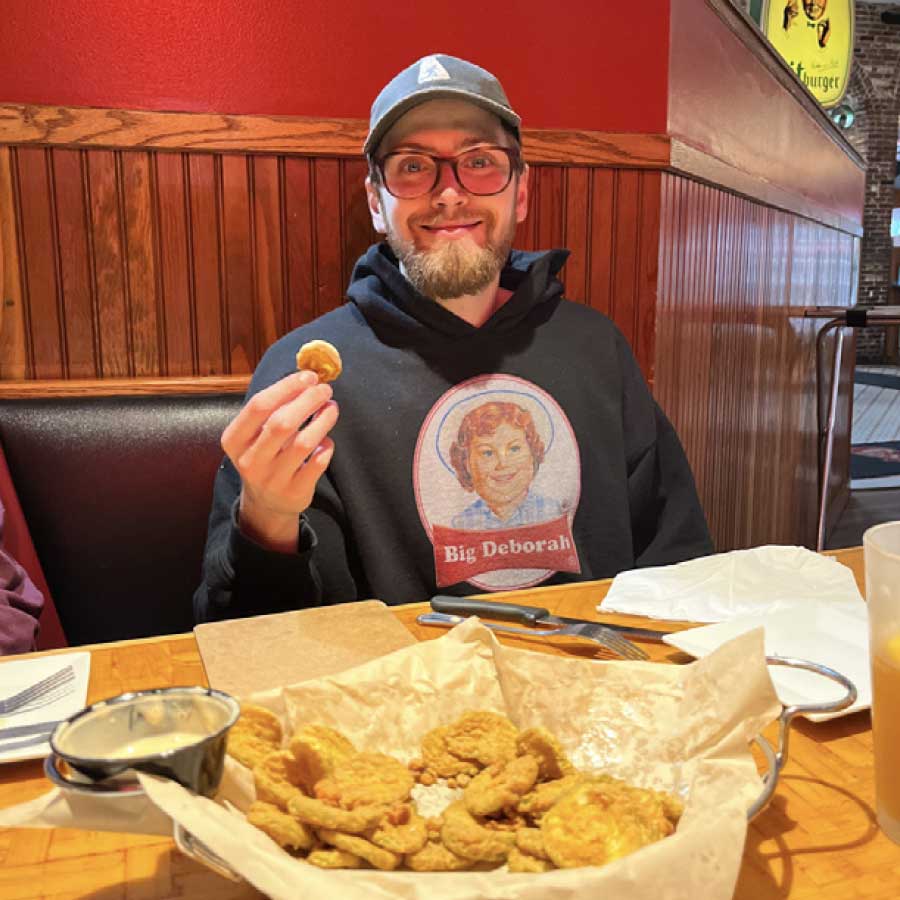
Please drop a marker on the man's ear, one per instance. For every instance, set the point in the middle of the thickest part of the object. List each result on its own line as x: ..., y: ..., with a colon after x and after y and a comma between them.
x: 522, y: 194
x: 375, y: 210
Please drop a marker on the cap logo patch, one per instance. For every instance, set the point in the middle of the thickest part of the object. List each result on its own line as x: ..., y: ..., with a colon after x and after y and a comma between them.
x: 430, y: 69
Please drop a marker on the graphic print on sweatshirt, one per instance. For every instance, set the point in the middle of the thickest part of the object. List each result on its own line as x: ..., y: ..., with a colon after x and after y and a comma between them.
x: 497, y: 477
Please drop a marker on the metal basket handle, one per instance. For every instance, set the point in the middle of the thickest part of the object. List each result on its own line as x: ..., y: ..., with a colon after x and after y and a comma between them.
x: 776, y: 759
x: 198, y: 851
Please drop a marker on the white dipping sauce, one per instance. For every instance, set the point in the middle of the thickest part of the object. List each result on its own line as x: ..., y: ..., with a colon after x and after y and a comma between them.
x: 154, y: 743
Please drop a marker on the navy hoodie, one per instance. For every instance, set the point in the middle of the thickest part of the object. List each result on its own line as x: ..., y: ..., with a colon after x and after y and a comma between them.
x: 467, y: 459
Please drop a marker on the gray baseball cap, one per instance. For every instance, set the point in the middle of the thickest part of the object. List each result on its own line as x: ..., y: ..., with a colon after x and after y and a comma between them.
x: 432, y: 78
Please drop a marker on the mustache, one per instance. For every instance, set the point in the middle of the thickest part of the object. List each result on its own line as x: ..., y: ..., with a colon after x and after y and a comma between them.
x: 442, y: 221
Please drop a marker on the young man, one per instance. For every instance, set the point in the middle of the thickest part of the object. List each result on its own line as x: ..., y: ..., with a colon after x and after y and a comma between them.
x: 313, y: 508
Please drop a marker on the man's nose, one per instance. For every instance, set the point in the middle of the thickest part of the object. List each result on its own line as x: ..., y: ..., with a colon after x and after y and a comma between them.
x: 448, y: 191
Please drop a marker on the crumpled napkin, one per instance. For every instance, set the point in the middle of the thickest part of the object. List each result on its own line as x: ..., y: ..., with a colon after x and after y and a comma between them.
x: 741, y: 582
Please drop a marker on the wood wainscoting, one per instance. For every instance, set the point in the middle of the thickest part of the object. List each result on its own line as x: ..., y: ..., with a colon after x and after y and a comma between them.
x: 159, y: 245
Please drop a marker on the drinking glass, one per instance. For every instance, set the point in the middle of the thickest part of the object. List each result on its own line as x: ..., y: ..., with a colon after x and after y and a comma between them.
x: 881, y: 547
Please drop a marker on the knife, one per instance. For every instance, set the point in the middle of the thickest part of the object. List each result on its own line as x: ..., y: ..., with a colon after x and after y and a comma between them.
x: 23, y: 730
x: 528, y: 615
x: 25, y: 742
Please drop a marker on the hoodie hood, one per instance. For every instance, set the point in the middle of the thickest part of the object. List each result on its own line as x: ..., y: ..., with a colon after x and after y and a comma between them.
x: 392, y: 305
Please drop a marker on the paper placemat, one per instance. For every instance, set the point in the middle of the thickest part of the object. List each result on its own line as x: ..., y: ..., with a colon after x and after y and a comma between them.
x: 243, y: 656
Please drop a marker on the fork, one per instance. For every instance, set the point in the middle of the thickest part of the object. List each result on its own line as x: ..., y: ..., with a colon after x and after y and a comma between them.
x: 590, y: 631
x: 37, y: 691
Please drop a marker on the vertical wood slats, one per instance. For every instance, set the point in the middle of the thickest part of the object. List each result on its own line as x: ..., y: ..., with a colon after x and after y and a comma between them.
x: 735, y: 363
x: 142, y: 263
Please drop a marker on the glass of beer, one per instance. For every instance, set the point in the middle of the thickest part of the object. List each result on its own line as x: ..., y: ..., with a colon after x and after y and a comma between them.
x: 881, y: 545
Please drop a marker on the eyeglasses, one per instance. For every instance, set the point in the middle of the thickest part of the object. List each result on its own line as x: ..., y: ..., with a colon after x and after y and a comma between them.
x: 407, y: 174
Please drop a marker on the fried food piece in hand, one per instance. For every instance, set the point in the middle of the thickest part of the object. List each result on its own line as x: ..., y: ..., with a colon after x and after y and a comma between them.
x: 284, y: 829
x: 465, y: 836
x: 531, y: 841
x: 435, y: 857
x: 366, y: 778
x: 318, y: 749
x: 439, y: 760
x: 536, y: 802
x: 277, y: 778
x: 322, y: 815
x: 500, y: 786
x: 484, y: 736
x: 359, y: 846
x: 402, y: 830
x: 525, y: 862
x: 547, y: 750
x: 254, y: 736
x: 600, y: 821
x: 332, y: 858
x: 320, y: 357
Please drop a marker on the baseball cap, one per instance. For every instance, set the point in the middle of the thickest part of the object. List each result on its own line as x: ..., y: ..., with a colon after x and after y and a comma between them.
x: 432, y: 78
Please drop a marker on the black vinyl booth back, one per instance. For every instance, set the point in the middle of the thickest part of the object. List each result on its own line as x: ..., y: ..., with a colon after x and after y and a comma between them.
x: 116, y: 492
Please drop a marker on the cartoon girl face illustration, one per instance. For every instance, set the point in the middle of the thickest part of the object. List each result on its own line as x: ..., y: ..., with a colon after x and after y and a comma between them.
x: 497, y: 453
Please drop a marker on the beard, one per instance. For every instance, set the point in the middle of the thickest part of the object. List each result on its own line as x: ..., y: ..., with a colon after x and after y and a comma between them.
x: 454, y: 268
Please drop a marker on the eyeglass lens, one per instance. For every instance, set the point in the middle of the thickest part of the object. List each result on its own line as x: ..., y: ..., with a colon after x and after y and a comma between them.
x: 483, y: 170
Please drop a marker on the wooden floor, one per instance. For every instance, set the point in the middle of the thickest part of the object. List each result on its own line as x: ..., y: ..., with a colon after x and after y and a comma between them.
x: 876, y: 418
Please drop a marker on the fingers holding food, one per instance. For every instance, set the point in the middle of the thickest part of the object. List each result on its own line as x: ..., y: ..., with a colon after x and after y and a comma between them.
x: 320, y: 357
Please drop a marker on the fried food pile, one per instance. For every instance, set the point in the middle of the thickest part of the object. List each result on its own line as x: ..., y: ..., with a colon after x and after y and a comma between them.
x: 515, y: 799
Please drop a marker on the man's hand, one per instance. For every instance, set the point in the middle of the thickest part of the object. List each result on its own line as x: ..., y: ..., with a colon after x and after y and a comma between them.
x: 278, y: 461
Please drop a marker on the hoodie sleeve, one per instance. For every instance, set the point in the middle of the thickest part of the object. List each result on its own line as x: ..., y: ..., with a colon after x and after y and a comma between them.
x: 242, y: 578
x: 667, y: 520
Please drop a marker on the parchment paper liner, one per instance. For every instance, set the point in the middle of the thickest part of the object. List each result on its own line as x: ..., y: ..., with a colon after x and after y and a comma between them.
x: 680, y: 728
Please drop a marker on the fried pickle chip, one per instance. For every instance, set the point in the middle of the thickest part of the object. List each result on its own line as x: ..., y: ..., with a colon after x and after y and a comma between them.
x: 531, y: 841
x: 332, y: 858
x: 603, y: 820
x: 484, y: 736
x: 255, y: 734
x: 439, y: 760
x: 536, y: 802
x: 364, y: 779
x: 401, y: 830
x: 359, y: 846
x: 435, y: 857
x: 277, y: 778
x: 320, y: 357
x: 517, y: 861
x: 322, y: 815
x: 500, y: 786
x: 465, y: 836
x: 318, y: 749
x: 284, y: 829
x: 544, y: 747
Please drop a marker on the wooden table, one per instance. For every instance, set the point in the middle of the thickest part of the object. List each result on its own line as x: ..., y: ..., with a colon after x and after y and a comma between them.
x: 817, y: 839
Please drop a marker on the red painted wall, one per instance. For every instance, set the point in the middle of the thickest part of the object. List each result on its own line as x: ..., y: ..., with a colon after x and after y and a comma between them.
x: 592, y: 64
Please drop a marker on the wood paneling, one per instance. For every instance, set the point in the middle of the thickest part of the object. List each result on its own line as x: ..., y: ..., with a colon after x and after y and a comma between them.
x: 72, y: 126
x: 735, y: 360
x: 142, y: 264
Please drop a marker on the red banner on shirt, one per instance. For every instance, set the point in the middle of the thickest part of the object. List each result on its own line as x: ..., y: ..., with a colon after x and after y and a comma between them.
x: 460, y: 554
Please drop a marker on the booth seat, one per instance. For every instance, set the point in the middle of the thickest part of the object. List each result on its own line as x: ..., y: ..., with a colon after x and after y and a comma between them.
x: 115, y: 492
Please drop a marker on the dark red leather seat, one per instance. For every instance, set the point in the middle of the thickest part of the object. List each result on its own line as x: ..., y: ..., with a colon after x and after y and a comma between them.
x: 116, y: 492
